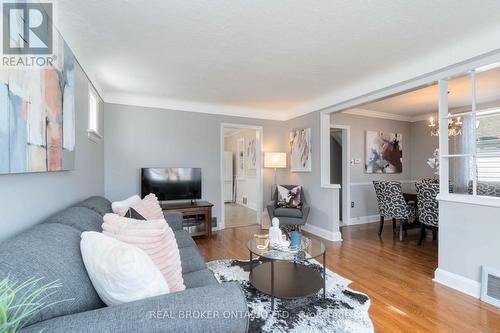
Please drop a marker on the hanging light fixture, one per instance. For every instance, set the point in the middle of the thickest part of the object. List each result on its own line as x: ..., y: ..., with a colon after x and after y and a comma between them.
x: 454, y: 126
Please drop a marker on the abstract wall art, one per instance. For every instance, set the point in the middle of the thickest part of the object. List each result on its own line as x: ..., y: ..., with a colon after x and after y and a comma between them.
x: 240, y: 158
x: 37, y: 115
x: 384, y: 152
x: 300, y: 143
x: 251, y: 154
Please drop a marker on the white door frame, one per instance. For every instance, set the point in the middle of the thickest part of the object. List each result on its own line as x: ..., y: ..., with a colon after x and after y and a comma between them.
x: 259, y: 138
x: 345, y: 187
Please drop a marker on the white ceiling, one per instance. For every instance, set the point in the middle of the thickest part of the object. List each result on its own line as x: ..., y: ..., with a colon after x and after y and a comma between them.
x: 260, y: 58
x: 425, y: 100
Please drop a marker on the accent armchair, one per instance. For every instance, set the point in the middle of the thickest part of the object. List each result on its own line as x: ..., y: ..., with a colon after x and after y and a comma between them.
x: 289, y: 216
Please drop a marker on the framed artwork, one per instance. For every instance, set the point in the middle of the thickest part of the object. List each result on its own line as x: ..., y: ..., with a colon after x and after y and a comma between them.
x: 37, y: 115
x: 240, y: 158
x: 384, y: 152
x: 300, y: 143
x: 251, y: 154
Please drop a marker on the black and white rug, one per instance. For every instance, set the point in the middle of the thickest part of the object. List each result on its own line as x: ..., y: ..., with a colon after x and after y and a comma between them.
x: 342, y: 311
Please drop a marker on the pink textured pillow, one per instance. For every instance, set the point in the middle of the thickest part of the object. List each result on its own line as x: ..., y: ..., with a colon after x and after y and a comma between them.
x: 156, y: 238
x: 149, y: 207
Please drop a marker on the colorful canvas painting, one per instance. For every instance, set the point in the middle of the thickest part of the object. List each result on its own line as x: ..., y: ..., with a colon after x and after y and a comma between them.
x: 384, y: 152
x: 37, y: 115
x: 300, y: 142
x: 251, y: 154
x: 241, y: 156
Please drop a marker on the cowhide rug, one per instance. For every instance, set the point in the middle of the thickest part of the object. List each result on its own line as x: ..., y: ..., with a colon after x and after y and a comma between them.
x: 342, y: 311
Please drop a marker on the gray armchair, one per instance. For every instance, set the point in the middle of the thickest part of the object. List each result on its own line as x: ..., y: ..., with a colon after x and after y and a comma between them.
x: 289, y: 216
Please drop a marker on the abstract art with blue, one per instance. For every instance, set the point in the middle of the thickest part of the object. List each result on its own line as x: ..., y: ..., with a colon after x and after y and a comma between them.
x: 384, y: 152
x: 37, y: 115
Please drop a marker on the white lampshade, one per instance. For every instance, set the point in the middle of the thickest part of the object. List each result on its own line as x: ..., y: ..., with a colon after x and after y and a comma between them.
x: 275, y: 160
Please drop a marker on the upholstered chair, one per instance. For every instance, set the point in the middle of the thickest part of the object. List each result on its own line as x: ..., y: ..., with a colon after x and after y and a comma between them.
x: 428, y: 208
x: 490, y: 189
x: 295, y: 217
x: 391, y: 203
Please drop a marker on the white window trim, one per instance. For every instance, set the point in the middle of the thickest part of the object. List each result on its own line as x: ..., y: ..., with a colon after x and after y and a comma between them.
x: 444, y: 194
x: 93, y: 133
x: 469, y: 199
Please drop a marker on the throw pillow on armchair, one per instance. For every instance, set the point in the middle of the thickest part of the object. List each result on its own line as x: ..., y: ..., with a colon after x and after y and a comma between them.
x: 289, y: 198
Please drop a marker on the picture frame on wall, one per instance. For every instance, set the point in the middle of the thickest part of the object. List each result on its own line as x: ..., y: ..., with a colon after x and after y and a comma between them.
x: 300, y: 150
x: 384, y: 152
x: 240, y: 157
x: 251, y: 154
x: 37, y: 116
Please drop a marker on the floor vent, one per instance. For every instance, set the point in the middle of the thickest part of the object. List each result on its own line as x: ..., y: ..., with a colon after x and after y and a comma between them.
x: 490, y: 291
x: 245, y: 200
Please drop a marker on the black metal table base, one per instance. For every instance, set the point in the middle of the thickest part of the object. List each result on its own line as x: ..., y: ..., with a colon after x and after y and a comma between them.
x: 287, y: 279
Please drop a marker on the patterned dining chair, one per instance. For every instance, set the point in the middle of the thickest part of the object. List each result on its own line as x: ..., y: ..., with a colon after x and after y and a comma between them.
x: 428, y: 208
x: 391, y: 203
x: 490, y: 189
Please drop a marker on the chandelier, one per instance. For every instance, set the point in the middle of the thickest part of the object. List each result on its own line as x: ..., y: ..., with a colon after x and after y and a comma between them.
x: 454, y: 126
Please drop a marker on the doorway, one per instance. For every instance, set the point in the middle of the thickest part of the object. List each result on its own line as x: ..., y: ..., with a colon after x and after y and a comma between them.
x: 340, y: 168
x: 241, y: 175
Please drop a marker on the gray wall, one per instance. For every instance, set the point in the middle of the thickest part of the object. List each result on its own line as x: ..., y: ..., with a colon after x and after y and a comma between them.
x: 28, y: 199
x: 362, y: 192
x: 320, y: 199
x: 422, y: 148
x: 468, y: 238
x: 139, y: 137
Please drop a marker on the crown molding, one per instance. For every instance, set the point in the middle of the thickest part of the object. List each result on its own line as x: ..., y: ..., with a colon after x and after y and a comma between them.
x: 187, y: 106
x: 378, y: 114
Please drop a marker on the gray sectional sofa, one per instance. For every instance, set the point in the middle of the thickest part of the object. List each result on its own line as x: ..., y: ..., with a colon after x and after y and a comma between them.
x: 52, y: 250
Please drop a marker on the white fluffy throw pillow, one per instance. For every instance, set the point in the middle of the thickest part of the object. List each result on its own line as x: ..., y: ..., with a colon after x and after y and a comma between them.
x: 120, y: 272
x: 121, y: 207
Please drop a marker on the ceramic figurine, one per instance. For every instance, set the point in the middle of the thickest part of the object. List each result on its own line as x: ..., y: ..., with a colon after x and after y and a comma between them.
x: 275, y: 234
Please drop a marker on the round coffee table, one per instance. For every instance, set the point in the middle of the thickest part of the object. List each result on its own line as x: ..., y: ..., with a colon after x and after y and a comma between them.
x: 284, y: 274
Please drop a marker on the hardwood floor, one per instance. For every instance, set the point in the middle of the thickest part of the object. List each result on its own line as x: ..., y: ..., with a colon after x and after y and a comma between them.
x: 396, y: 275
x: 237, y: 215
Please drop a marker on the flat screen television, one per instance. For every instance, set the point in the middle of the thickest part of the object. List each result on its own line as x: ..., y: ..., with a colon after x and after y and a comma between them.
x: 172, y: 183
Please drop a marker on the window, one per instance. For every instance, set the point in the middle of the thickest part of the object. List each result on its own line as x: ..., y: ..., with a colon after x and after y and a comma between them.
x: 93, y: 127
x: 471, y: 158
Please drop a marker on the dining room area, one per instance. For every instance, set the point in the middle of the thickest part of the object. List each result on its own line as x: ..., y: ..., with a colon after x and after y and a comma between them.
x: 394, y: 155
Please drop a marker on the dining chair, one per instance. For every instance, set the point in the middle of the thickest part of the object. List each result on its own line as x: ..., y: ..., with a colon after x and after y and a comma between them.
x: 427, y: 208
x: 490, y: 189
x: 391, y: 203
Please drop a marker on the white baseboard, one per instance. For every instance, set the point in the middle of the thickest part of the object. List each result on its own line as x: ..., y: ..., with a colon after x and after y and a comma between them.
x: 363, y: 219
x: 458, y: 282
x: 323, y: 233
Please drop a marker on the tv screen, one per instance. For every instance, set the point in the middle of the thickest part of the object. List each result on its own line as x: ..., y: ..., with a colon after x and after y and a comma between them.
x: 172, y: 183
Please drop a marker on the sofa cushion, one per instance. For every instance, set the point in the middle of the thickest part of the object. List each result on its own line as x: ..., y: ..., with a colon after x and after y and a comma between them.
x: 120, y: 272
x: 51, y: 251
x: 100, y: 205
x: 133, y: 214
x: 191, y: 260
x: 288, y: 212
x: 80, y: 218
x: 120, y: 207
x: 199, y: 278
x: 183, y: 239
x: 154, y: 237
x: 149, y: 207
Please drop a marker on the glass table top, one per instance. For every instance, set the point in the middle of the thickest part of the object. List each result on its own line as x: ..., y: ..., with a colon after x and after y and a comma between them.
x: 310, y: 248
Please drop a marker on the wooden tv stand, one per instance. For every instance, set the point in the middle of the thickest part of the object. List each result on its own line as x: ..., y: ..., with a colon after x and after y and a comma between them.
x: 194, y: 213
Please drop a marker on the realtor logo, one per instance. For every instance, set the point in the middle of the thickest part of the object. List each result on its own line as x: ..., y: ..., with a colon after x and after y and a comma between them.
x: 27, y: 28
